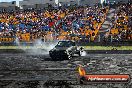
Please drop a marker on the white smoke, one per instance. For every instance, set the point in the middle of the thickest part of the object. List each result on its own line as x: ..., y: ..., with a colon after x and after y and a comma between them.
x: 84, y: 53
x: 38, y: 48
x: 17, y: 41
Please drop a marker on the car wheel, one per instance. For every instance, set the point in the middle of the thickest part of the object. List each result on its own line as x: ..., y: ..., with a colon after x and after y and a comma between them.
x: 69, y: 57
x: 80, y: 53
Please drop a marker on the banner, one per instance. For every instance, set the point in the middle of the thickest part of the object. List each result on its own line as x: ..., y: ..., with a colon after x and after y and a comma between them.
x: 7, y: 39
x: 25, y: 37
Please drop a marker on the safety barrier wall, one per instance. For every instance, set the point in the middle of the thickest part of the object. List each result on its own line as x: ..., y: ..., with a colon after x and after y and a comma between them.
x: 28, y: 38
x: 7, y: 39
x: 49, y: 37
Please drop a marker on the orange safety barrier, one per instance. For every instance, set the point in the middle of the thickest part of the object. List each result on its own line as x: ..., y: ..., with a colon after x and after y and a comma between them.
x: 7, y: 39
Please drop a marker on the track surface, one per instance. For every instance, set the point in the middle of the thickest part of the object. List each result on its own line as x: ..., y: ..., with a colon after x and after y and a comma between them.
x: 94, y: 63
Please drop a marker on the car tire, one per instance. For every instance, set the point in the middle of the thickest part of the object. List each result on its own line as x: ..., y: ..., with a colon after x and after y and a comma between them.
x: 69, y: 56
x: 79, y: 53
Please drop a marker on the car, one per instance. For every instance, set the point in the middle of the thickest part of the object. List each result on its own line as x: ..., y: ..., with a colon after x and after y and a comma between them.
x: 65, y: 50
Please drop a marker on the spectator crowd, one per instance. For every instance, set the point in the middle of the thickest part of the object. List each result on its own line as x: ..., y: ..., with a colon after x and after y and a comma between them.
x: 80, y: 23
x: 122, y: 23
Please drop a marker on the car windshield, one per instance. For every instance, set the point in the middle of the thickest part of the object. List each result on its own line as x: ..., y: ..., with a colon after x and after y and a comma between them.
x: 64, y: 44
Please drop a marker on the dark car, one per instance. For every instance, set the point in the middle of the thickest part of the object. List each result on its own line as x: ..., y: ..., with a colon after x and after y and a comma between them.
x: 65, y: 50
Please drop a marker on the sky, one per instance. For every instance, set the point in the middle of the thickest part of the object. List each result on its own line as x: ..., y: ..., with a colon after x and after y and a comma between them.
x: 10, y: 1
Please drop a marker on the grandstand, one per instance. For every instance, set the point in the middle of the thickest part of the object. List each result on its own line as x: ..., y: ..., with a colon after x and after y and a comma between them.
x: 122, y: 27
x: 81, y: 24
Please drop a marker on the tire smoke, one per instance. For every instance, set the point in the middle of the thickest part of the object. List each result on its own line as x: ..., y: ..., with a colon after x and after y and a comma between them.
x: 41, y: 47
x: 38, y: 47
x: 84, y: 53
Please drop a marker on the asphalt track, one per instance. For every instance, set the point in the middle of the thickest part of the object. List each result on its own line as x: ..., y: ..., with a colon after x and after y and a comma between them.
x: 29, y: 70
